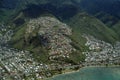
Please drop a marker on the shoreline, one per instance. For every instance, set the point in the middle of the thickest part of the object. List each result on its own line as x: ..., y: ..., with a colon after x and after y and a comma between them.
x: 74, y: 71
x: 63, y: 73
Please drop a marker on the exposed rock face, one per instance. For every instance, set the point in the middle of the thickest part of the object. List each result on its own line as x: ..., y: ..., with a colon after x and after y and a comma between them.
x: 52, y: 34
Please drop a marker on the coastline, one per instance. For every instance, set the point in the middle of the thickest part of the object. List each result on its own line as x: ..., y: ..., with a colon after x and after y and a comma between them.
x: 63, y: 73
x: 74, y: 71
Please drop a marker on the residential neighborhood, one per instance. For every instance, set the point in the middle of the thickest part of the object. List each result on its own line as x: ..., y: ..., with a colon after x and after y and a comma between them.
x: 101, y: 52
x: 52, y: 34
x: 21, y: 65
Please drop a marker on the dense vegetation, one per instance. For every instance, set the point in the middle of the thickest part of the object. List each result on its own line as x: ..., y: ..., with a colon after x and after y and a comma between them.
x: 84, y: 23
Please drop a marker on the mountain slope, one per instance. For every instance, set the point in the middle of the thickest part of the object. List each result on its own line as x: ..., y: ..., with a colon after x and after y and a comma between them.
x: 95, y: 6
x: 46, y: 37
x: 116, y: 27
x: 58, y: 7
x: 107, y: 19
x: 64, y: 10
x: 83, y: 23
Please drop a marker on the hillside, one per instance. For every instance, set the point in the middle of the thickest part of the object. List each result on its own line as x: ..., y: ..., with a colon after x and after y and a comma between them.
x: 80, y: 24
x: 116, y: 27
x: 20, y: 12
x: 84, y: 23
x: 47, y: 35
x: 61, y: 8
x: 96, y: 6
x: 108, y: 19
x: 10, y: 8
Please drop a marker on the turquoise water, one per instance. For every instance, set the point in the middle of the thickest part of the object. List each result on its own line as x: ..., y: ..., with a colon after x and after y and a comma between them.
x: 92, y: 73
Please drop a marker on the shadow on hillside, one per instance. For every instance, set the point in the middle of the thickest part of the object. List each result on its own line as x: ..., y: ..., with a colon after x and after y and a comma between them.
x: 64, y: 12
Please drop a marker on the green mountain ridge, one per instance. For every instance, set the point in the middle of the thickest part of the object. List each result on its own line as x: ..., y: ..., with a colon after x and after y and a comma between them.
x: 107, y: 19
x: 116, y: 27
x: 87, y: 24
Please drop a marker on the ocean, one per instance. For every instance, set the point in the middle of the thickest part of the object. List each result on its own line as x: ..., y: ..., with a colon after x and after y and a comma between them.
x: 92, y: 73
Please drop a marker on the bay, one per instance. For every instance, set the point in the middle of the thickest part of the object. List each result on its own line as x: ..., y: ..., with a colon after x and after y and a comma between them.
x: 92, y: 73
